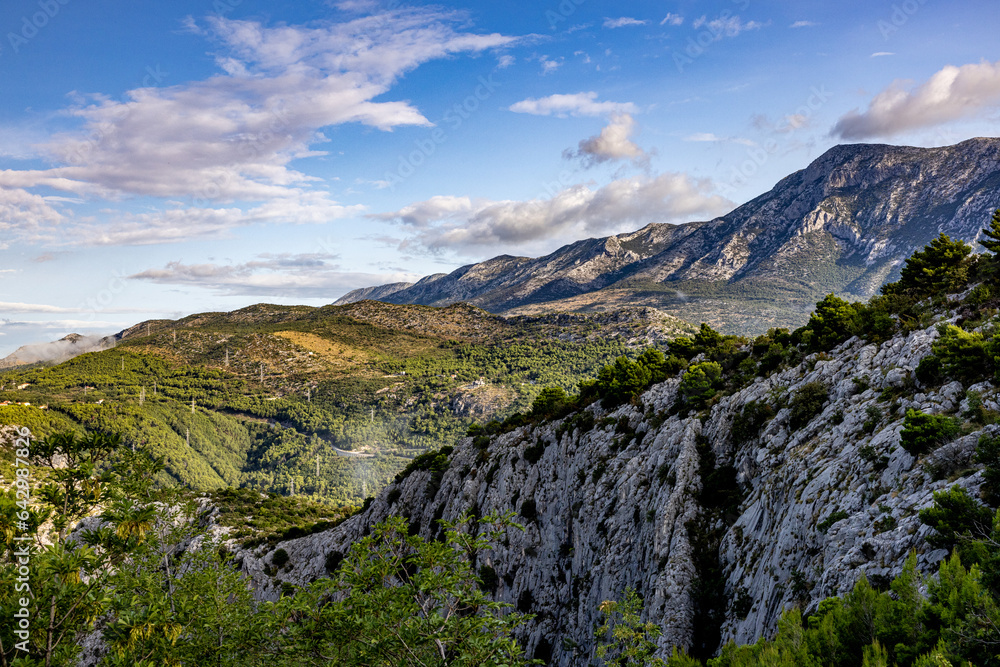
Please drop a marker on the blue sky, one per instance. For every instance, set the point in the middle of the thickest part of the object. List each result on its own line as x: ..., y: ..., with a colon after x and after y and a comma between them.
x: 159, y: 159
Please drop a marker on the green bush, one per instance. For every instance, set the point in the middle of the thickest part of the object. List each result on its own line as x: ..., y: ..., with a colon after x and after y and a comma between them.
x: 988, y: 453
x: 279, y: 558
x: 956, y: 515
x: 748, y: 423
x: 828, y: 522
x: 700, y: 383
x: 807, y: 403
x: 922, y: 432
x: 959, y: 355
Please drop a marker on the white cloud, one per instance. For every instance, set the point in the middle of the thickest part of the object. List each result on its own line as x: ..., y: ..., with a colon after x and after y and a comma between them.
x: 612, y: 144
x: 710, y: 137
x: 724, y: 26
x: 232, y: 137
x: 672, y: 19
x: 461, y: 224
x: 950, y: 94
x: 804, y: 24
x: 15, y: 307
x: 505, y: 61
x: 578, y: 104
x: 880, y: 54
x: 302, y: 275
x: 622, y: 22
x: 703, y: 136
x: 549, y: 65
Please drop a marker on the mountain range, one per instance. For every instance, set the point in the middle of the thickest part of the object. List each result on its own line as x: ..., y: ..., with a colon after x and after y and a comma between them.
x: 843, y: 224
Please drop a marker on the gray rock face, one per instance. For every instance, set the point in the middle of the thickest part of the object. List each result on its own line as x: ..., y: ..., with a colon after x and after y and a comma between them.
x: 844, y: 223
x: 614, y: 501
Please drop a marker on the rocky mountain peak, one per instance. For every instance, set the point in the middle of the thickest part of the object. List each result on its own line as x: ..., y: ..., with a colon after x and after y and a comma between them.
x: 842, y: 224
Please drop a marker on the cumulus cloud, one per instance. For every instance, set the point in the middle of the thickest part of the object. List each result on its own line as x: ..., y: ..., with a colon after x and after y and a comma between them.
x: 622, y: 22
x: 462, y: 224
x: 803, y: 24
x: 578, y: 104
x: 882, y: 54
x: 310, y: 275
x: 614, y: 143
x: 672, y: 19
x: 232, y: 137
x: 950, y: 94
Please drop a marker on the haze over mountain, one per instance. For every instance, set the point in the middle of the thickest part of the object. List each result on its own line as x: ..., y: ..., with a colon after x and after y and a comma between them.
x: 843, y: 224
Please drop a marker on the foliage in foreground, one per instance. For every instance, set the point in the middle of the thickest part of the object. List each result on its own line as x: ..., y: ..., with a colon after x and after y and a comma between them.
x: 395, y: 600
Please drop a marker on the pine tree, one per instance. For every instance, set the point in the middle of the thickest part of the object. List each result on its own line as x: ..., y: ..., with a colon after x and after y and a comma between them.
x: 992, y: 232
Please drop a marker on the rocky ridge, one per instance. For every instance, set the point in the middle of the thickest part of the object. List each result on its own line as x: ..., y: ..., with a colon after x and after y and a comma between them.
x: 843, y: 224
x: 612, y: 499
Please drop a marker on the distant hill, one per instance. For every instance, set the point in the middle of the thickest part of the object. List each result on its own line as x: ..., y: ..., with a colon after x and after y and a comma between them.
x: 280, y: 397
x: 843, y: 224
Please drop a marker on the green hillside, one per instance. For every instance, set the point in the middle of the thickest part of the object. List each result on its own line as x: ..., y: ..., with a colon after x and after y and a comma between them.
x: 265, y: 397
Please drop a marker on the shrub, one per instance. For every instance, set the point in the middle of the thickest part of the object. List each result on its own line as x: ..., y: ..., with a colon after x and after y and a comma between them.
x: 279, y: 558
x: 958, y: 355
x: 956, y: 515
x: 807, y: 403
x: 988, y: 453
x: 529, y: 510
x: 922, y: 432
x: 700, y: 382
x: 533, y: 453
x: 827, y: 523
x: 748, y: 423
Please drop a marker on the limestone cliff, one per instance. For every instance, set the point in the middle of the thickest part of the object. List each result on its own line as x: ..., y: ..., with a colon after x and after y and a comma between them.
x: 629, y: 498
